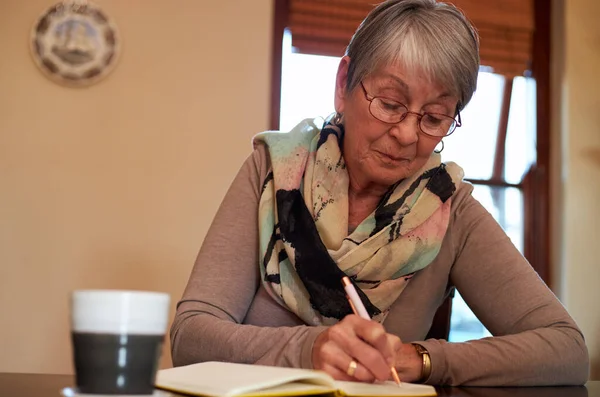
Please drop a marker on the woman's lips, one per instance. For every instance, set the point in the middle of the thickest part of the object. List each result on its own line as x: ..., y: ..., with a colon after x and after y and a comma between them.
x: 392, y: 157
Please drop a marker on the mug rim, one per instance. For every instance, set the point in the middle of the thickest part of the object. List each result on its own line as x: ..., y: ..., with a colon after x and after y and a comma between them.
x: 114, y: 292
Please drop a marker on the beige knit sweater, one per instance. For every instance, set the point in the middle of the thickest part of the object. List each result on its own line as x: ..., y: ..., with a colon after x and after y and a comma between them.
x: 225, y: 314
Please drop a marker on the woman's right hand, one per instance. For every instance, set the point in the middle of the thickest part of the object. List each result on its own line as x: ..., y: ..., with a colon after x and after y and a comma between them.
x: 360, y: 340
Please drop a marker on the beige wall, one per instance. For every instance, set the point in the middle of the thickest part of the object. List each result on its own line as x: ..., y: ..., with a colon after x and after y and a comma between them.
x: 577, y: 130
x: 114, y: 186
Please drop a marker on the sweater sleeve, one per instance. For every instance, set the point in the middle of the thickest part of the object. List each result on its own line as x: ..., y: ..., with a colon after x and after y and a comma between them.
x: 535, y: 340
x: 208, y: 324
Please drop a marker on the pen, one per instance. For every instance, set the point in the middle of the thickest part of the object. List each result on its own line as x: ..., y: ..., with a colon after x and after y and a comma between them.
x: 359, y: 309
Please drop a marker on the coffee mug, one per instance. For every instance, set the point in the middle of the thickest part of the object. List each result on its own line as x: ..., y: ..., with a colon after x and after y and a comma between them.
x: 117, y: 340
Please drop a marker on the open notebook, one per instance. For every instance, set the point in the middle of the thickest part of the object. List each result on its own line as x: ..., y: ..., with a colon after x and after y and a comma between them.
x: 218, y: 379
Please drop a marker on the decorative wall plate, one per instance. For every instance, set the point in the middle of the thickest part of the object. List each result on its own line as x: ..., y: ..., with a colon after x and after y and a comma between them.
x: 75, y: 43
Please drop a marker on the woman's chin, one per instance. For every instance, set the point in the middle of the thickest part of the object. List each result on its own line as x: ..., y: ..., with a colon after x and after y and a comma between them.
x: 388, y: 177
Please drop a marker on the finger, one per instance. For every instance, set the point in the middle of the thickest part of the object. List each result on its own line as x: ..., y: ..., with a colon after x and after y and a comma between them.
x: 361, y: 373
x: 394, y: 346
x: 369, y: 358
x: 374, y: 334
x: 342, y: 371
x: 333, y: 355
x: 347, y: 335
x: 336, y: 373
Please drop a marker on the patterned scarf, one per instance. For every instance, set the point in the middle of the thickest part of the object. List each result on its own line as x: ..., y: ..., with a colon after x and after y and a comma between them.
x: 305, y: 249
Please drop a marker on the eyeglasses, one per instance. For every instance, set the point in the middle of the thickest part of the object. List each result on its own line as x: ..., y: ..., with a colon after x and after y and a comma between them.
x: 392, y: 112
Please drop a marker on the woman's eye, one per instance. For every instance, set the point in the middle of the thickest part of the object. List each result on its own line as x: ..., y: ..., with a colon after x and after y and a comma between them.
x: 432, y: 120
x: 391, y: 106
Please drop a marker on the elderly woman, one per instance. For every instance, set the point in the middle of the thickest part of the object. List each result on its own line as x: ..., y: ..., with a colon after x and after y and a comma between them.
x: 367, y: 196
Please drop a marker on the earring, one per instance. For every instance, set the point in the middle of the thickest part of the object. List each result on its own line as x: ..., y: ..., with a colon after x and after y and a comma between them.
x: 438, y: 151
x: 337, y: 119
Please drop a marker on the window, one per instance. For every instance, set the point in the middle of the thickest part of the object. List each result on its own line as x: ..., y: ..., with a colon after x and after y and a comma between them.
x: 496, y: 147
x: 311, y: 96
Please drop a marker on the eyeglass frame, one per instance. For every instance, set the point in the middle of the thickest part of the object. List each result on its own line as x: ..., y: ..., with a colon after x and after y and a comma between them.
x: 370, y: 99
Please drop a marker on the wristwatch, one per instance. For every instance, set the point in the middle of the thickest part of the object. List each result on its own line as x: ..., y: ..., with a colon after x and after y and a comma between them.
x: 426, y: 368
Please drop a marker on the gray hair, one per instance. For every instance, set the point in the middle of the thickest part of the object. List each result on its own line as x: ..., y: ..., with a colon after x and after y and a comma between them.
x: 422, y: 35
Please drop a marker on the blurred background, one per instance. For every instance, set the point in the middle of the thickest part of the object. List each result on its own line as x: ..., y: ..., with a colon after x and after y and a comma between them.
x: 115, y: 184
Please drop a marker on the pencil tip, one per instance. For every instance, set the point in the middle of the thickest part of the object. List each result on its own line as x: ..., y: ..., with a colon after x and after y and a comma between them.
x: 396, y: 377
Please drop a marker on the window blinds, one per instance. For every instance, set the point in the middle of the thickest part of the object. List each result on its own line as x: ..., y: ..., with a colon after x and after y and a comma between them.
x: 324, y: 27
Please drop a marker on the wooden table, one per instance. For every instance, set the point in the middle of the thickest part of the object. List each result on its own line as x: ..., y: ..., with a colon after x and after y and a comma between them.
x: 41, y: 385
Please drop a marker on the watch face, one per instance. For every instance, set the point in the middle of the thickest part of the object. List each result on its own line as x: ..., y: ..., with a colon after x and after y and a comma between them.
x: 75, y: 43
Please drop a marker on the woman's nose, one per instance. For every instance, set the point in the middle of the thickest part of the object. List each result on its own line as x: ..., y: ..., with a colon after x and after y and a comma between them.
x: 407, y: 130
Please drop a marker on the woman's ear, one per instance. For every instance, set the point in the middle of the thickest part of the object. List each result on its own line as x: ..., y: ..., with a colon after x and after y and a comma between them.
x: 341, y: 81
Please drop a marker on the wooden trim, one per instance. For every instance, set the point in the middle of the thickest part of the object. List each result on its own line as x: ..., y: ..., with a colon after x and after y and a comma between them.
x: 500, y: 155
x: 280, y: 19
x: 537, y: 200
x: 498, y: 194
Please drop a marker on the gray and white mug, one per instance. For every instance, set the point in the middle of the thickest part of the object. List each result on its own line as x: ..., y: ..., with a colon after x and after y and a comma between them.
x: 117, y: 340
